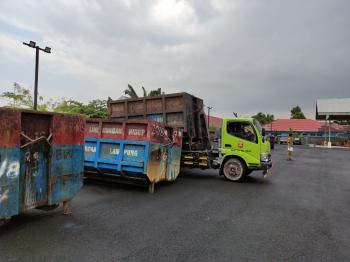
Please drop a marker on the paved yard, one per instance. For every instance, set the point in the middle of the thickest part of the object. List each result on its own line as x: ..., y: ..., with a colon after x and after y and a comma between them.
x: 300, y: 213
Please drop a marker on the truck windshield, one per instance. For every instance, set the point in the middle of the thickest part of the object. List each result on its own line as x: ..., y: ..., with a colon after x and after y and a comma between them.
x: 258, y: 125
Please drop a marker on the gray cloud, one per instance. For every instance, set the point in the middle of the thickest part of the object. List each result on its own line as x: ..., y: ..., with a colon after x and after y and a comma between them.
x: 242, y: 56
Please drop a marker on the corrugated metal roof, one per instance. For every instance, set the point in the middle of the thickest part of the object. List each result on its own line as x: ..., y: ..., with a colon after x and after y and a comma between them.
x: 297, y: 125
x: 334, y: 106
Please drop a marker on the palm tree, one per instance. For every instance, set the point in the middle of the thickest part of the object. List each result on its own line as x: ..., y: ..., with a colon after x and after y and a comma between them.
x: 130, y: 91
x: 156, y: 92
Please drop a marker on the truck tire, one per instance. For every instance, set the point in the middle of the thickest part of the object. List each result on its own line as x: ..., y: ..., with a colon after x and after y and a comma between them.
x: 234, y: 170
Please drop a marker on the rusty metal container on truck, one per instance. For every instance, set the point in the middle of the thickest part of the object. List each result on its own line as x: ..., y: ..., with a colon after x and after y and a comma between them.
x: 41, y: 160
x: 180, y: 110
x: 134, y: 151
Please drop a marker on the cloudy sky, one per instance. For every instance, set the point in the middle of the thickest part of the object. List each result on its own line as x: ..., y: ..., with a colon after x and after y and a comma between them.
x: 244, y: 56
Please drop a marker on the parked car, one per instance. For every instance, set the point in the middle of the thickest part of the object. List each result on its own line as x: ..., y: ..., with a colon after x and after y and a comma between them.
x: 283, y: 140
x: 297, y: 141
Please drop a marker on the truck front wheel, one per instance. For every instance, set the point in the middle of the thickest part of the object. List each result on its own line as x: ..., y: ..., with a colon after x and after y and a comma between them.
x: 234, y: 170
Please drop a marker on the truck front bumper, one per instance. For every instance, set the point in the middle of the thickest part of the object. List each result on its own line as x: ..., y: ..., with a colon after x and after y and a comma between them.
x: 266, y: 165
x: 263, y: 166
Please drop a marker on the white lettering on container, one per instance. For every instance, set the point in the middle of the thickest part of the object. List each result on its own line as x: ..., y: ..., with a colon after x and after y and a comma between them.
x: 90, y: 149
x: 114, y: 151
x: 130, y: 152
x: 112, y: 130
x: 93, y: 129
x: 136, y: 132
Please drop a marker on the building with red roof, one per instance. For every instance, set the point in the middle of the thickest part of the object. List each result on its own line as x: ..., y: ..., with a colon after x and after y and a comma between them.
x: 215, y: 121
x: 296, y: 125
x: 304, y: 127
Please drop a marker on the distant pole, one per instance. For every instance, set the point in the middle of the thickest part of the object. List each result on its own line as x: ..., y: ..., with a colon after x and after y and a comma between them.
x: 329, y: 132
x: 209, y: 108
x: 271, y: 128
x: 36, y: 78
x: 47, y: 49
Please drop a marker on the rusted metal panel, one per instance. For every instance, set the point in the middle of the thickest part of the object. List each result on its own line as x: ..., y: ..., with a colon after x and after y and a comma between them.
x: 175, y: 119
x: 45, y: 165
x: 154, y: 105
x: 9, y: 128
x: 175, y: 103
x: 136, y: 107
x: 68, y: 129
x: 117, y: 109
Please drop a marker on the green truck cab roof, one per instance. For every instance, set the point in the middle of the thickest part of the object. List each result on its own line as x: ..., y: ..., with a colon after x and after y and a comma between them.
x: 239, y: 119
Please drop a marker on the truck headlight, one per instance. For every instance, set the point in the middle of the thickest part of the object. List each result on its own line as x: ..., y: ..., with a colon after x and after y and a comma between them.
x: 265, y: 157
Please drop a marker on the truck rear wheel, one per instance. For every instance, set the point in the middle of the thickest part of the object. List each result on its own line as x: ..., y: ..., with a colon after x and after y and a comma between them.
x: 4, y: 221
x: 234, y: 170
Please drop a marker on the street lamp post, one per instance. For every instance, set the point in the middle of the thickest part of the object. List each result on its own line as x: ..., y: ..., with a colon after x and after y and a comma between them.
x: 47, y: 49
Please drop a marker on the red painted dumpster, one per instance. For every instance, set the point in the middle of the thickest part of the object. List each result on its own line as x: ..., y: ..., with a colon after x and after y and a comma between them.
x: 41, y: 160
x: 133, y: 150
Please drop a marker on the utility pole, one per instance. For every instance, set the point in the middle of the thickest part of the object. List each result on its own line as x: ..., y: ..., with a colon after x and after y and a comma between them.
x: 47, y: 49
x: 209, y: 108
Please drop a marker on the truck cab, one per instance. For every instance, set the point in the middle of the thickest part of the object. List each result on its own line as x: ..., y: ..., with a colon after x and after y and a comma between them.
x: 243, y: 148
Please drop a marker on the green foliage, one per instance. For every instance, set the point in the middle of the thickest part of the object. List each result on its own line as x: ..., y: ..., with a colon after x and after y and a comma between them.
x: 156, y: 92
x: 94, y: 109
x: 264, y: 119
x: 20, y: 97
x: 296, y: 113
x: 130, y: 91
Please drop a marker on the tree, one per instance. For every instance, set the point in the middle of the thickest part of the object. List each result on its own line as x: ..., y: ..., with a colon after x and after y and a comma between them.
x: 95, y: 108
x: 264, y: 119
x: 156, y: 92
x: 21, y: 97
x: 296, y: 113
x: 130, y: 91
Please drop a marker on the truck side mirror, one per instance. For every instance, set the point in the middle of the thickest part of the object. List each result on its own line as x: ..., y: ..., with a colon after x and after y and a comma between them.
x: 263, y: 132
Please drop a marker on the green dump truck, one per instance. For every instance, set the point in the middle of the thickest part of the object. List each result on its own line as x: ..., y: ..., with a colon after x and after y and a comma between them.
x: 242, y: 147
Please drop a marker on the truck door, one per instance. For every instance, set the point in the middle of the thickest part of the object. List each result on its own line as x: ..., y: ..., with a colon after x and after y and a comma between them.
x: 243, y: 140
x: 35, y: 158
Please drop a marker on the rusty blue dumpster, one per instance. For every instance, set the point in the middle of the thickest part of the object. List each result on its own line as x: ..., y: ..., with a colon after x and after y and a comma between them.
x: 41, y: 160
x: 132, y: 150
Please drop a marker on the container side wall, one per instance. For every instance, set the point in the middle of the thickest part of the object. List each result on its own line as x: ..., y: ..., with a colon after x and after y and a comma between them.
x: 117, y: 157
x: 117, y: 109
x: 9, y: 181
x: 66, y: 172
x: 154, y: 105
x: 155, y: 117
x: 112, y: 130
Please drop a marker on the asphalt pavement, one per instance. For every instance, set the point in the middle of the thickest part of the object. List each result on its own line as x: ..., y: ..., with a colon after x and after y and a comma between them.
x: 301, y: 212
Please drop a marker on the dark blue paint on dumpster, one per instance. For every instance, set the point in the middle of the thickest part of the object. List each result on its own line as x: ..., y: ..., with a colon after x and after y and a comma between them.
x: 41, y: 159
